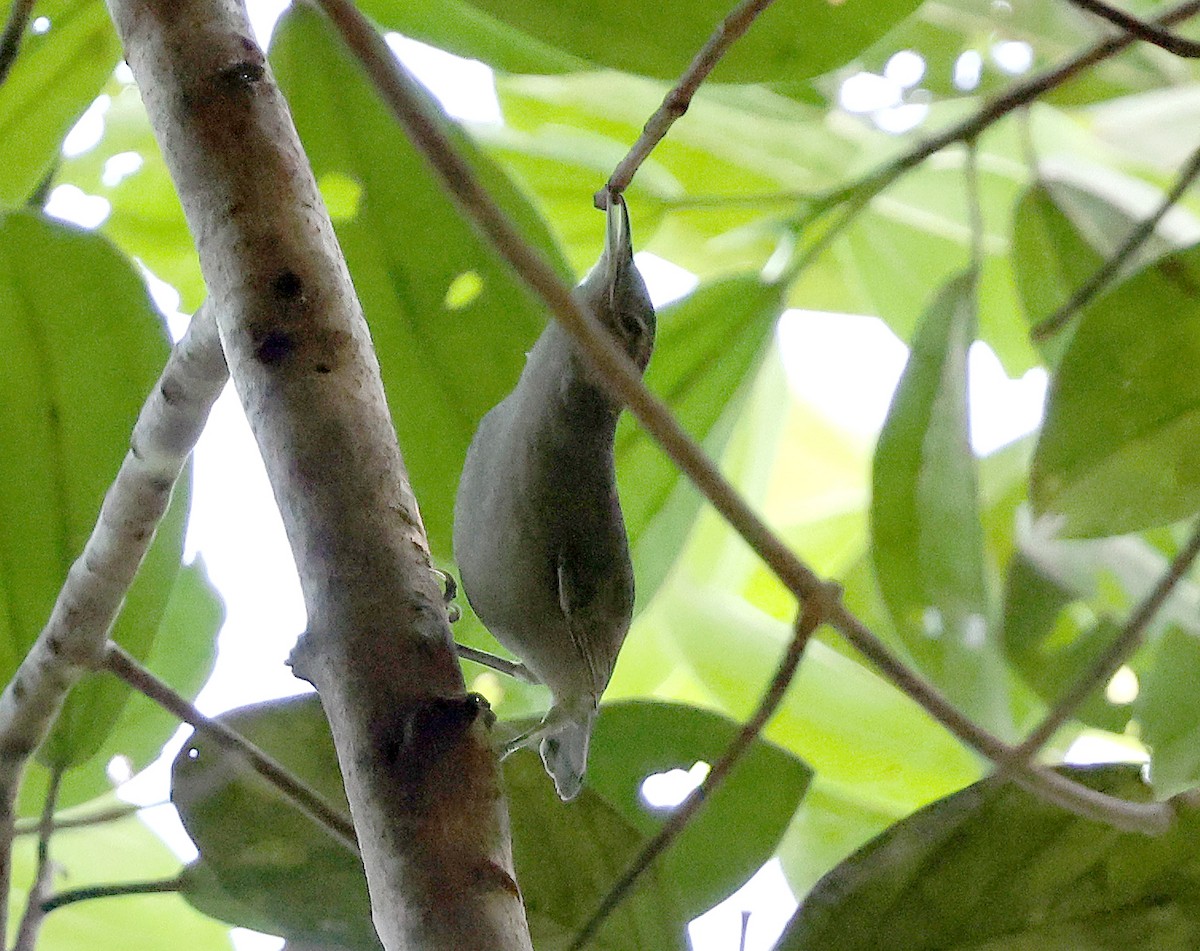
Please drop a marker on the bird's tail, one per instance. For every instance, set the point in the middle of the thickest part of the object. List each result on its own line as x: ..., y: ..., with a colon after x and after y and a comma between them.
x: 565, y: 753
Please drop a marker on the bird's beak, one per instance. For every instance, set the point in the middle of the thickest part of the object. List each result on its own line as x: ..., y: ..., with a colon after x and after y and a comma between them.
x: 618, y: 244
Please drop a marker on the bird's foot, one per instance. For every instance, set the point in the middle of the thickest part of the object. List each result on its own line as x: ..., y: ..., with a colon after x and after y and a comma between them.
x: 449, y: 592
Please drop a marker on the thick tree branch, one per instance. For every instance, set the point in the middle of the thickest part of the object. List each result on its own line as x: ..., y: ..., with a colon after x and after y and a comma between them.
x: 122, y: 665
x: 400, y: 93
x: 1140, y: 29
x: 680, y: 97
x: 74, y: 637
x: 422, y: 780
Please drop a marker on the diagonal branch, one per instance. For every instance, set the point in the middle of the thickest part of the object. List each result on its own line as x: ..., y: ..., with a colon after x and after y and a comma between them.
x: 119, y: 663
x: 1140, y: 29
x: 10, y: 40
x: 73, y: 640
x: 676, y: 103
x: 1125, y: 643
x: 1088, y: 291
x: 806, y: 624
x: 400, y: 93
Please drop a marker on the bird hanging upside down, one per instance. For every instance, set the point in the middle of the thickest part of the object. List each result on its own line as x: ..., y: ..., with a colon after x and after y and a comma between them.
x: 538, y: 533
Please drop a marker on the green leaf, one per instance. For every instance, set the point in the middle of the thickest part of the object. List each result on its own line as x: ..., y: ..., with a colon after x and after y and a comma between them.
x: 737, y: 829
x: 70, y: 398
x: 710, y: 346
x: 408, y: 245
x: 264, y: 865
x: 1120, y: 447
x: 112, y: 853
x: 995, y: 867
x: 1168, y: 709
x: 927, y: 542
x: 54, y: 79
x: 789, y: 41
x: 146, y: 220
x: 846, y: 722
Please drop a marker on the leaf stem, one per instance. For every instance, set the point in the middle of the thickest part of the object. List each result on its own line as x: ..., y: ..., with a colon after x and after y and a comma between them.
x: 1140, y: 29
x: 87, y: 893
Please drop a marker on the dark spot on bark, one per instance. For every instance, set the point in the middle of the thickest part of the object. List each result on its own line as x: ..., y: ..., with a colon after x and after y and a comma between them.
x: 240, y: 75
x: 493, y: 874
x: 248, y: 44
x: 135, y: 450
x: 323, y: 368
x: 275, y: 348
x: 19, y: 689
x: 171, y: 392
x: 161, y: 485
x: 55, y: 645
x: 287, y: 285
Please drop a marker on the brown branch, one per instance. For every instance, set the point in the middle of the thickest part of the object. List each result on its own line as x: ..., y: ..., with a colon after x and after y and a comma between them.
x: 10, y: 40
x: 1140, y: 29
x: 119, y: 662
x: 809, y: 621
x: 1116, y: 654
x: 400, y: 93
x: 87, y: 893
x: 31, y: 921
x: 1088, y: 291
x: 679, y: 98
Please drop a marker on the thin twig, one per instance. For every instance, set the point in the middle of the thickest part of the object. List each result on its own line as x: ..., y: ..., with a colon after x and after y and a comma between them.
x: 1087, y: 292
x: 31, y: 921
x: 117, y: 890
x: 1125, y: 643
x: 100, y: 817
x: 809, y: 621
x: 974, y: 211
x: 121, y: 664
x: 679, y: 98
x: 10, y: 40
x: 1140, y: 29
x: 400, y: 93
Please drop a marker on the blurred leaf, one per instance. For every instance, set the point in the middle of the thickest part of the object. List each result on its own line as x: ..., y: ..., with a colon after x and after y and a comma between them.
x: 70, y: 400
x: 927, y: 541
x: 788, y: 41
x: 54, y: 79
x: 710, y: 346
x: 127, y: 169
x: 995, y: 867
x: 737, y: 829
x: 846, y: 722
x: 1120, y: 447
x: 443, y: 367
x: 264, y: 865
x: 112, y: 853
x: 1049, y: 647
x: 1168, y: 709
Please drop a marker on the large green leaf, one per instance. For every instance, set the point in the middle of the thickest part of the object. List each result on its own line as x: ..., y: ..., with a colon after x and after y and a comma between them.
x: 112, y: 853
x: 55, y: 78
x: 789, y: 41
x: 146, y: 220
x: 83, y: 347
x: 737, y: 829
x: 1120, y: 447
x: 996, y: 868
x: 849, y: 724
x: 927, y: 541
x: 709, y: 348
x: 264, y: 865
x: 445, y: 360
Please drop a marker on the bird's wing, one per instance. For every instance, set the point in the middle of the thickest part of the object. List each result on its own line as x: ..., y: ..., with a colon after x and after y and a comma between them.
x: 598, y: 606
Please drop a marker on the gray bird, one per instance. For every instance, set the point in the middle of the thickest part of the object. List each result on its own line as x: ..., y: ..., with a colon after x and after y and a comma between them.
x: 538, y: 532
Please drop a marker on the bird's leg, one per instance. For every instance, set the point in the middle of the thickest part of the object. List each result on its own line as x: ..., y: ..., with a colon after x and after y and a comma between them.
x: 449, y: 591
x: 554, y: 718
x: 498, y: 664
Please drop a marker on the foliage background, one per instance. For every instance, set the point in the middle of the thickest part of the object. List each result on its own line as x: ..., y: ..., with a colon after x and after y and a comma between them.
x: 997, y: 578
